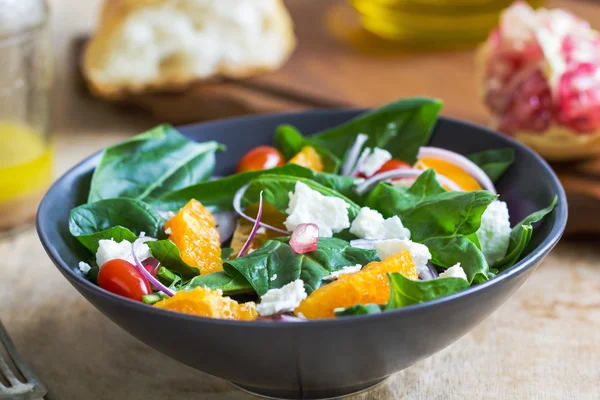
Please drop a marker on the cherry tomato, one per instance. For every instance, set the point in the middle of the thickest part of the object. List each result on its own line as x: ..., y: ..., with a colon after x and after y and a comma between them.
x: 392, y: 165
x: 122, y: 278
x: 389, y: 166
x: 259, y: 158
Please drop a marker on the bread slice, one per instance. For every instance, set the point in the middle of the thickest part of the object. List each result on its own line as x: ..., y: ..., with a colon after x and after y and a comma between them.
x: 165, y: 45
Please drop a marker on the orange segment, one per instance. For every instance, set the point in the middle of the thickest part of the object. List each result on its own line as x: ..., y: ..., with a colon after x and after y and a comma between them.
x: 450, y: 171
x: 309, y: 158
x: 369, y: 285
x: 208, y: 303
x: 194, y: 232
x: 270, y: 215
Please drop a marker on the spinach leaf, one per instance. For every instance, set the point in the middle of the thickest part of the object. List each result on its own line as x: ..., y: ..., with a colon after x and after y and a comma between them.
x: 447, y: 214
x: 138, y: 166
x: 226, y: 252
x: 276, y: 264
x: 276, y: 189
x: 400, y: 127
x: 447, y: 251
x: 405, y: 291
x: 344, y: 185
x: 389, y: 199
x: 168, y: 254
x: 198, y: 170
x: 494, y: 162
x: 359, y: 309
x: 290, y: 141
x: 230, y: 285
x: 217, y: 195
x: 113, y: 218
x: 520, y: 236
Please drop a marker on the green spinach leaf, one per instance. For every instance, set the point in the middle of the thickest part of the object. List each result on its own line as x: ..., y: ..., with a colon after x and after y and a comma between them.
x: 168, y: 277
x: 198, y: 170
x: 521, y: 235
x: 400, y: 127
x: 405, y: 292
x: 276, y: 264
x: 359, y: 309
x: 140, y: 165
x: 217, y: 195
x: 168, y: 254
x: 494, y: 162
x: 230, y: 285
x: 119, y: 219
x: 447, y: 251
x: 389, y: 199
x: 276, y: 189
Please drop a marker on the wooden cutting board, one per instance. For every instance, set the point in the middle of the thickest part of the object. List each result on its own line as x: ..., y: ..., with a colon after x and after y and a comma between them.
x: 337, y: 64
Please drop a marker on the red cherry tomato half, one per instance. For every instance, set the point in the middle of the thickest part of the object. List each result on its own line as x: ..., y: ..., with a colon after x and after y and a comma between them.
x: 259, y: 158
x: 392, y: 165
x: 389, y: 166
x: 122, y: 278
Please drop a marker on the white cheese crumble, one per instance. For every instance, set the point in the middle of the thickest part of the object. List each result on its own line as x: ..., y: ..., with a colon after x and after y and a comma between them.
x: 370, y: 224
x: 455, y: 271
x: 420, y: 253
x: 345, y: 270
x: 371, y: 160
x: 273, y: 277
x: 306, y: 205
x: 110, y: 250
x: 494, y: 232
x: 168, y: 231
x: 261, y: 230
x: 84, y: 267
x: 287, y: 298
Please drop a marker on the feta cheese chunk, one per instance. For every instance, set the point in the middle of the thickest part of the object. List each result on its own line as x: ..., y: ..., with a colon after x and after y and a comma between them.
x: 84, y: 267
x: 287, y: 298
x: 420, y: 253
x: 369, y: 224
x: 345, y: 270
x: 168, y: 231
x: 494, y: 232
x: 455, y: 271
x: 306, y: 205
x: 371, y: 161
x: 110, y: 250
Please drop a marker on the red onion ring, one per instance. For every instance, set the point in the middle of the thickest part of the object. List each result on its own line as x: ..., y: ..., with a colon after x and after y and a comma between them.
x: 237, y: 206
x: 248, y: 242
x: 403, y: 173
x: 460, y: 161
x: 353, y: 154
x: 429, y: 274
x: 155, y: 282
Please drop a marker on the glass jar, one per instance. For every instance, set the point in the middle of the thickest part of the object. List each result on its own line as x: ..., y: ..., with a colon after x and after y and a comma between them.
x: 432, y: 24
x: 25, y: 80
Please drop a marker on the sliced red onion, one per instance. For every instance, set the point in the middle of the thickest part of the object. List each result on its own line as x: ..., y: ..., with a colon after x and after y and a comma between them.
x: 353, y: 154
x: 225, y: 224
x: 305, y: 238
x: 155, y: 282
x: 360, y: 162
x: 366, y: 244
x: 403, y: 173
x: 250, y: 238
x: 237, y: 206
x: 428, y: 274
x: 460, y: 161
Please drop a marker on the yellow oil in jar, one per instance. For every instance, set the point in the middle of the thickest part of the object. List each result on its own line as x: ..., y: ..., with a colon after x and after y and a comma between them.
x: 432, y: 24
x: 25, y: 172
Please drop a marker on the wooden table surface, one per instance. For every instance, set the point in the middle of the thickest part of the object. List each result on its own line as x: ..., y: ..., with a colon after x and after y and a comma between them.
x: 543, y: 343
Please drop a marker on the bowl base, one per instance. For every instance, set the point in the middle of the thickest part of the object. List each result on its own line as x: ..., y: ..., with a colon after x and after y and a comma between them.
x: 312, y: 394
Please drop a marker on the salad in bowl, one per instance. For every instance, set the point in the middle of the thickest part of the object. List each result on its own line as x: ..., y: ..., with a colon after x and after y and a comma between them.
x: 357, y: 219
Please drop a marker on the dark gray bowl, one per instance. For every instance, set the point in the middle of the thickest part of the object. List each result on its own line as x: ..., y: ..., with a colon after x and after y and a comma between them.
x: 313, y: 359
